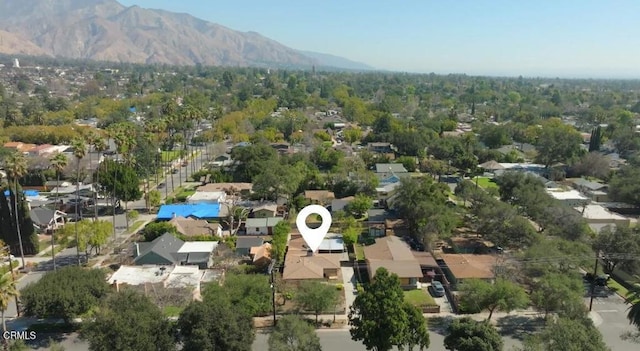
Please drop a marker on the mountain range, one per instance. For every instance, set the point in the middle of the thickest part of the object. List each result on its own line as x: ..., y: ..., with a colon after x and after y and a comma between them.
x: 105, y: 30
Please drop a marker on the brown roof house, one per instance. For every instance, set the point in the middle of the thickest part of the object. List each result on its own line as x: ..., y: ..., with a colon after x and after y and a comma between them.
x: 230, y: 188
x: 393, y: 254
x: 261, y: 255
x: 301, y: 264
x: 195, y: 227
x: 319, y: 197
x: 468, y: 266
x: 265, y: 211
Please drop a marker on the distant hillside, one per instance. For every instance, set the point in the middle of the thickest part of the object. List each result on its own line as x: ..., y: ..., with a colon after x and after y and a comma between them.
x: 105, y: 30
x: 336, y: 61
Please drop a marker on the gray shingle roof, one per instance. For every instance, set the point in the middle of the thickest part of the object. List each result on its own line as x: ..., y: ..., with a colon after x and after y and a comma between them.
x: 390, y: 167
x: 165, y: 246
x: 41, y: 215
x: 246, y: 242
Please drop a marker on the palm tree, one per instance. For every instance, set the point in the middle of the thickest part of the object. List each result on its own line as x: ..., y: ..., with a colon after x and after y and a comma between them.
x: 58, y: 162
x: 16, y: 167
x: 8, y: 291
x: 100, y: 146
x: 634, y: 311
x: 79, y: 151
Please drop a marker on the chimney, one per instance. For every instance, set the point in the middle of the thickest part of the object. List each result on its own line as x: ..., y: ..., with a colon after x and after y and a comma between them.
x: 116, y: 285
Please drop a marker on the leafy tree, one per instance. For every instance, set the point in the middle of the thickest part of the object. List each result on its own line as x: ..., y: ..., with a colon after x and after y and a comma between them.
x: 359, y: 205
x: 422, y: 202
x: 379, y: 318
x: 557, y: 142
x: 624, y: 186
x: 316, y: 297
x: 465, y: 334
x: 280, y: 239
x: 154, y: 198
x: 8, y: 233
x: 92, y: 235
x: 293, y: 333
x: 553, y: 291
x: 128, y: 321
x: 417, y: 333
x: 592, y: 164
x: 8, y: 291
x: 611, y: 243
x: 567, y: 334
x: 121, y: 178
x: 157, y: 229
x: 351, y: 233
x: 633, y: 313
x: 494, y: 136
x: 248, y: 292
x: 66, y: 293
x: 555, y: 255
x: 215, y: 325
x: 502, y: 295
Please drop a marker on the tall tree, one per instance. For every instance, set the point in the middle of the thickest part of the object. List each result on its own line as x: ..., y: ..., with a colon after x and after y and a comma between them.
x: 99, y: 145
x: 316, y: 297
x: 567, y: 335
x: 502, y: 295
x: 417, y: 333
x: 555, y: 292
x: 8, y: 291
x: 557, y: 142
x: 378, y: 317
x: 465, y: 334
x: 16, y: 167
x: 127, y: 321
x: 215, y: 326
x: 633, y: 313
x: 293, y: 333
x: 59, y: 163
x: 79, y: 151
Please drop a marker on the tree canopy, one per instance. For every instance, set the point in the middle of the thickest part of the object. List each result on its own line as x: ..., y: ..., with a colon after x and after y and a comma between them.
x: 465, y: 334
x: 293, y: 333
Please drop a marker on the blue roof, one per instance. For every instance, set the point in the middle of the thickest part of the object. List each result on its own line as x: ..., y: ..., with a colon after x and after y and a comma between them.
x: 26, y: 193
x: 132, y: 109
x: 204, y: 210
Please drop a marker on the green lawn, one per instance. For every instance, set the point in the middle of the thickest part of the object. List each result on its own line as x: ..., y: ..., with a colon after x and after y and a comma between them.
x: 419, y: 298
x: 172, y: 311
x: 485, y: 182
x: 359, y: 252
x: 168, y: 156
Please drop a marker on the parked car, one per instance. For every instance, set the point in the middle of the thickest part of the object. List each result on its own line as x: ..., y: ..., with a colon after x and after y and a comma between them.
x: 437, y: 289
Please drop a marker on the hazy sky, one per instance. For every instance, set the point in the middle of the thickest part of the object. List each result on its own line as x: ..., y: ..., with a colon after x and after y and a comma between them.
x: 565, y: 38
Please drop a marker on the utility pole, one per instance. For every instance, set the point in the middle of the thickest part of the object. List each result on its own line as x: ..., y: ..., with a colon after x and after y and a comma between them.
x: 593, y: 282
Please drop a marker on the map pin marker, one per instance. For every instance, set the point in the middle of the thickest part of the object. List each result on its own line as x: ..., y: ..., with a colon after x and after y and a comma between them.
x: 313, y: 237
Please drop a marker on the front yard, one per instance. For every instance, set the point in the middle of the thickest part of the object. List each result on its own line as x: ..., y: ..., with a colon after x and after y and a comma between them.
x: 419, y: 298
x: 359, y: 249
x: 485, y: 182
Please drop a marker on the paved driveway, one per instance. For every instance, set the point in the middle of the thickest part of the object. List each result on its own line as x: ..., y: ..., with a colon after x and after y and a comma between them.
x: 349, y: 280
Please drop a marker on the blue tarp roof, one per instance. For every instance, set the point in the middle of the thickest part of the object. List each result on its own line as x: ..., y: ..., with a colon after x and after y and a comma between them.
x: 26, y: 193
x: 206, y: 210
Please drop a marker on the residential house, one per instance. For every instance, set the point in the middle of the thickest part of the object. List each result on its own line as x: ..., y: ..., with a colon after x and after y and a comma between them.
x: 261, y: 226
x: 395, y: 255
x: 384, y: 149
x: 429, y: 266
x: 458, y: 267
x: 301, y: 264
x: 183, y: 281
x: 598, y: 217
x: 162, y: 251
x: 196, y: 227
x: 40, y: 150
x: 199, y: 211
x: 261, y: 255
x: 332, y: 243
x: 245, y: 243
x: 197, y: 253
x: 386, y: 192
x: 597, y: 192
x: 204, y: 197
x: 387, y: 171
x: 341, y: 204
x: 47, y: 220
x: 243, y: 189
x: 572, y: 198
x: 319, y: 197
x: 376, y: 222
x: 265, y: 211
x: 282, y: 148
